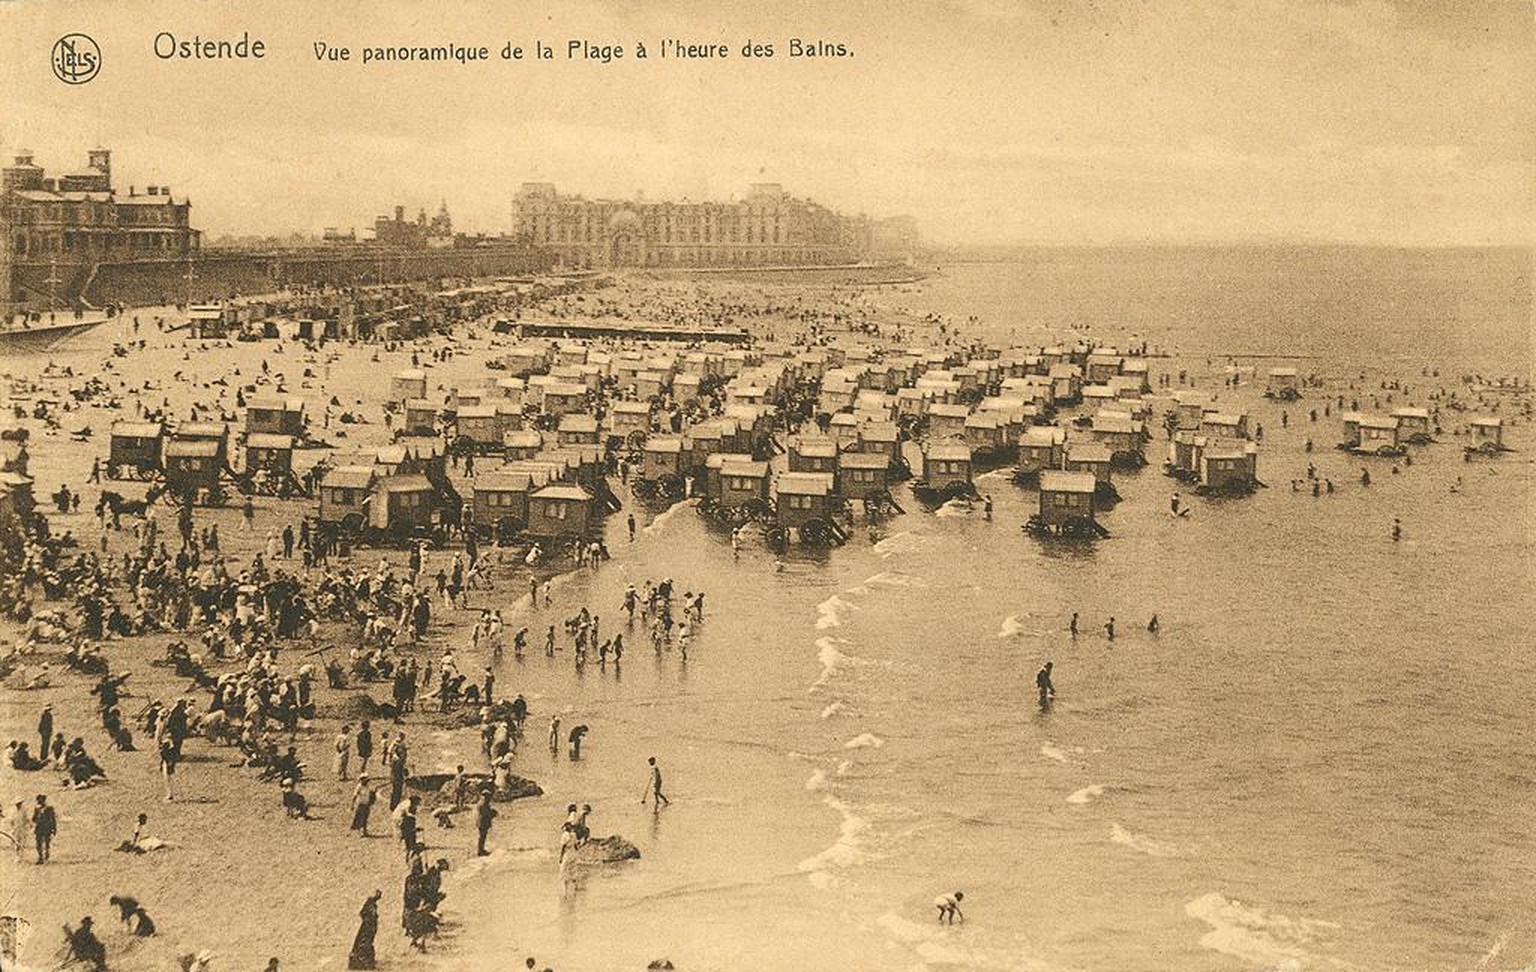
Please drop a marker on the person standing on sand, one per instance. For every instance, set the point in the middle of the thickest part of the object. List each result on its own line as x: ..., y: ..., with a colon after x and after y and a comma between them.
x: 631, y: 523
x: 362, y: 955
x: 364, y: 747
x: 45, y: 823
x: 1109, y: 628
x: 343, y: 747
x: 44, y: 729
x: 21, y: 828
x: 397, y: 773
x: 363, y: 797
x: 658, y: 799
x: 168, y: 760
x: 484, y: 814
x: 1072, y: 626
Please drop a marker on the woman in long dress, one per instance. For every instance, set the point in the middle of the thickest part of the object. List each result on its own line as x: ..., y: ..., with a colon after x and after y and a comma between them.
x: 362, y: 804
x: 362, y: 956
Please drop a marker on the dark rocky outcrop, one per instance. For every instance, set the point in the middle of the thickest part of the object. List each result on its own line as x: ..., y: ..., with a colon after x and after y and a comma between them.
x: 606, y: 850
x: 436, y: 789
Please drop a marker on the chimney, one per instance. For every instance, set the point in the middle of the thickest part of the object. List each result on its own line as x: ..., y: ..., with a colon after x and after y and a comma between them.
x: 399, y: 214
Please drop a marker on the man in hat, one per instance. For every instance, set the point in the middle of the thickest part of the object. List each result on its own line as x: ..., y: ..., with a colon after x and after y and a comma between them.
x: 84, y: 946
x: 45, y: 823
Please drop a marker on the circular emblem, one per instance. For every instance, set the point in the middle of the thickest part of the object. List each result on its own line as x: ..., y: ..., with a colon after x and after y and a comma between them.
x: 76, y: 58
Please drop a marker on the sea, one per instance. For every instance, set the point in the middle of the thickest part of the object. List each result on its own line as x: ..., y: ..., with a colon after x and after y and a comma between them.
x: 1325, y: 758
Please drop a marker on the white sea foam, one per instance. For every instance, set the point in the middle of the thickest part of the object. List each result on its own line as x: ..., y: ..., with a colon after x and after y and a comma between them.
x: 864, y: 740
x: 817, y: 781
x: 940, y: 946
x: 832, y: 709
x: 1150, y: 846
x: 895, y: 578
x: 844, y: 766
x: 829, y: 613
x: 665, y: 517
x: 832, y: 658
x: 1249, y: 934
x: 898, y: 543
x: 846, y: 851
x: 1011, y: 627
x: 1051, y: 751
x: 1087, y: 793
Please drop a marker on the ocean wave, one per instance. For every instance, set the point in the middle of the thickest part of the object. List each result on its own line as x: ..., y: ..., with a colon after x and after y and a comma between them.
x: 832, y: 659
x: 1150, y: 846
x: 844, y: 852
x: 817, y: 780
x: 1088, y: 794
x: 940, y: 946
x: 956, y: 507
x: 895, y: 578
x: 832, y: 709
x: 1011, y: 627
x: 1051, y: 751
x: 898, y: 543
x: 1251, y: 935
x: 829, y: 613
x: 864, y: 740
x: 665, y: 516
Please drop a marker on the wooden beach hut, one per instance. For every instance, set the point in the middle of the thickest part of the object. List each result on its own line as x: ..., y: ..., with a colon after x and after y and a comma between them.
x: 135, y: 446
x: 344, y: 493
x: 560, y: 511
x: 1228, y: 466
x: 407, y: 384
x: 1413, y: 425
x: 812, y: 454
x: 276, y: 416
x: 1067, y: 502
x: 1041, y: 447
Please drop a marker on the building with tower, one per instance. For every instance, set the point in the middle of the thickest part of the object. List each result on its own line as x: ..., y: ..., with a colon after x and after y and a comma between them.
x: 79, y: 220
x: 768, y: 227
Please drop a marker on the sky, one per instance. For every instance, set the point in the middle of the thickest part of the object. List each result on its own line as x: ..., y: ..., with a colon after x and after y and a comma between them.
x: 988, y: 121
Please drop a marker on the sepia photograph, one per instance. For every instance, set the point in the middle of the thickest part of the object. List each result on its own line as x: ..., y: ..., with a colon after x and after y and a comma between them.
x: 922, y: 485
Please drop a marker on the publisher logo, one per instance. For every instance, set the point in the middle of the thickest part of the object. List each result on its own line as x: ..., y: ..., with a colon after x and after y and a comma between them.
x: 76, y: 58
